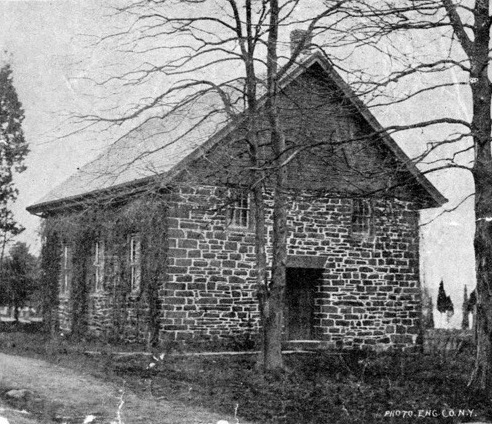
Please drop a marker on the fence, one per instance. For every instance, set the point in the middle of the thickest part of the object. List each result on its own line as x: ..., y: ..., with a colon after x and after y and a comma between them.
x: 445, y: 340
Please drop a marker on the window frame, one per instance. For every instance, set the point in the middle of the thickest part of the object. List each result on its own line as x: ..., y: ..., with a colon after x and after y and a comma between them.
x: 135, y: 262
x: 98, y: 252
x: 362, y: 217
x: 238, y: 211
x: 66, y: 269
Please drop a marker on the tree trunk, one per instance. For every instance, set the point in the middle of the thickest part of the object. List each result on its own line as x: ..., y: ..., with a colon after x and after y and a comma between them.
x: 481, y: 377
x: 274, y: 305
x: 260, y: 236
x: 261, y: 280
x: 258, y: 175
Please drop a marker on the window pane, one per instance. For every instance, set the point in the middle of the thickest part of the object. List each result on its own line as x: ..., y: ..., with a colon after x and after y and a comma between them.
x: 361, y: 216
x: 98, y: 265
x: 237, y: 213
x: 244, y: 218
x: 134, y: 262
x: 65, y: 269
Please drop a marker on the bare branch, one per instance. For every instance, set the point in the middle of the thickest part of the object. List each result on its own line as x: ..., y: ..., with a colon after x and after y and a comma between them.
x: 458, y: 27
x: 448, y: 210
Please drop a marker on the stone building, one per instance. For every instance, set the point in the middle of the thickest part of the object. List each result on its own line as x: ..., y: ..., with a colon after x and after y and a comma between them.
x: 155, y: 238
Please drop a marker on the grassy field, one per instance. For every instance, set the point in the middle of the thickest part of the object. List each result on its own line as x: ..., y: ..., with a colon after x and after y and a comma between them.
x: 316, y: 388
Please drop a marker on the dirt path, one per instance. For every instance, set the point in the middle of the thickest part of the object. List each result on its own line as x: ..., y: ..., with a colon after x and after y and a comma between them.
x: 74, y: 395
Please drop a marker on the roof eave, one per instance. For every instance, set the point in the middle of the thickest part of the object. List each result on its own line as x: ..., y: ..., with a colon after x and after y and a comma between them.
x: 116, y: 192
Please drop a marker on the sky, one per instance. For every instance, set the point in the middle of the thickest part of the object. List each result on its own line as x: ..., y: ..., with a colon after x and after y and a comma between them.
x: 43, y: 39
x: 38, y: 36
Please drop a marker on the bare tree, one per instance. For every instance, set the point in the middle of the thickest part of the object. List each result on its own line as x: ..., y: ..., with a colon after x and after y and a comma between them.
x: 452, y: 61
x: 13, y: 150
x: 202, y: 44
x: 220, y: 50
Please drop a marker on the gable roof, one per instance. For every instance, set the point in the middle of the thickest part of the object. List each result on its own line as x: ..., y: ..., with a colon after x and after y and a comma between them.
x: 140, y: 156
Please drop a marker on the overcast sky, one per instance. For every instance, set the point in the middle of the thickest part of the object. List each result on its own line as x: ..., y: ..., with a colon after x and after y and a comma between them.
x: 43, y: 39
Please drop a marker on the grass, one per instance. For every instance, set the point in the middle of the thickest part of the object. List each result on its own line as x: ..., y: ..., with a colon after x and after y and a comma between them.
x: 322, y: 388
x: 318, y: 388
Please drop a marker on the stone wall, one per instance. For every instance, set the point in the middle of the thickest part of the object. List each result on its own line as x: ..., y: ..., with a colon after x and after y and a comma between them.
x: 369, y: 294
x: 210, y: 287
x: 112, y: 312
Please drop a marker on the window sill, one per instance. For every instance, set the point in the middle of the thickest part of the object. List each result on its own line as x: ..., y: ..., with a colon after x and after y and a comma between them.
x: 239, y: 229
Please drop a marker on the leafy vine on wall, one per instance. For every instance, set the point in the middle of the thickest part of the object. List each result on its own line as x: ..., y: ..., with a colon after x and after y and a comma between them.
x: 133, y: 315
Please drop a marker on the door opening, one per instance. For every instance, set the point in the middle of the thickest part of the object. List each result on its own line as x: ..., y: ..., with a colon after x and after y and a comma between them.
x: 300, y: 294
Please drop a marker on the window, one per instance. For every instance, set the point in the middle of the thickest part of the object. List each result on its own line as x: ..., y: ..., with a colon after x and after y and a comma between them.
x: 98, y: 265
x: 66, y: 269
x: 134, y: 262
x: 238, y: 211
x: 361, y: 217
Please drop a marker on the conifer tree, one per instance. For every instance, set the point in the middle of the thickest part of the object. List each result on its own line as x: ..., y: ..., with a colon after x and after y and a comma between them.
x: 442, y: 302
x: 13, y: 150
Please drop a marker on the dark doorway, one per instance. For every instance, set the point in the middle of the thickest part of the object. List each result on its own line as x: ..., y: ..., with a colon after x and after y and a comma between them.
x: 300, y: 293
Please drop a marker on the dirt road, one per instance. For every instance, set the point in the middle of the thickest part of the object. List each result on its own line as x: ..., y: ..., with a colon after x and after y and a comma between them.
x: 71, y: 397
